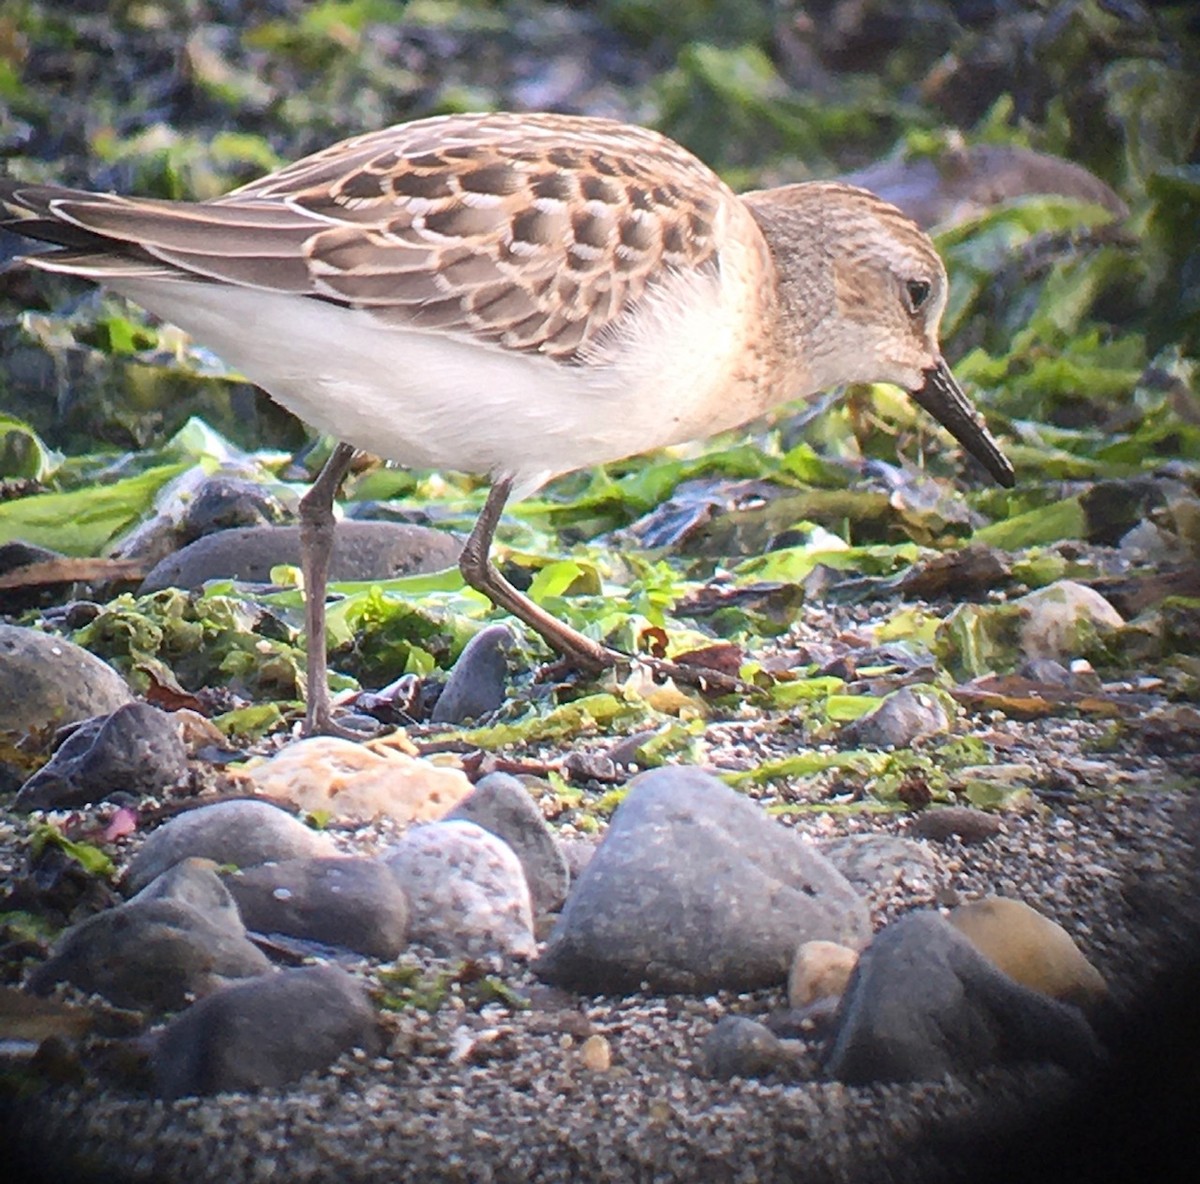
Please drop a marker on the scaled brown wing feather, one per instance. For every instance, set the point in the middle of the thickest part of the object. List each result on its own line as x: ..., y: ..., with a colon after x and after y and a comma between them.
x: 535, y: 232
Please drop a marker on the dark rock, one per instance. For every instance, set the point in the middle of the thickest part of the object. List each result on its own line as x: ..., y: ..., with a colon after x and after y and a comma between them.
x: 225, y: 502
x: 243, y: 832
x: 695, y: 888
x: 741, y: 1047
x: 352, y: 903
x: 501, y: 804
x: 137, y: 750
x: 46, y: 682
x: 962, y: 822
x: 476, y: 686
x: 150, y: 954
x: 196, y: 882
x: 361, y: 551
x: 466, y: 891
x: 264, y: 1033
x: 923, y: 1002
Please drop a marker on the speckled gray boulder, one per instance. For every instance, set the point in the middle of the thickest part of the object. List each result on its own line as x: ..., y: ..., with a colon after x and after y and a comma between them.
x: 151, y: 955
x: 476, y: 686
x: 466, y: 891
x: 874, y: 863
x: 138, y: 749
x: 923, y: 1002
x: 243, y: 832
x: 46, y: 682
x: 355, y: 904
x: 695, y: 888
x: 264, y: 1033
x: 501, y: 804
x: 361, y: 551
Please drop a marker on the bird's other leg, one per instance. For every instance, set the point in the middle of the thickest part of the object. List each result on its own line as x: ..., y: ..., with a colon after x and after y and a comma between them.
x: 481, y: 574
x: 316, y: 547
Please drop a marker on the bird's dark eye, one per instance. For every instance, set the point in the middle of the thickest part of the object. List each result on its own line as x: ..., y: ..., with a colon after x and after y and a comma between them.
x: 918, y: 293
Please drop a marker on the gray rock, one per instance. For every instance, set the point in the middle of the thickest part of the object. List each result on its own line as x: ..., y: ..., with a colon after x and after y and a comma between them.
x: 695, y: 888
x: 226, y: 502
x: 195, y: 882
x: 923, y: 1002
x: 501, y: 804
x: 361, y: 551
x: 352, y: 903
x: 874, y: 863
x: 243, y: 832
x: 46, y: 682
x: 466, y: 891
x: 264, y: 1033
x: 905, y: 716
x: 1065, y: 620
x: 137, y: 750
x: 741, y: 1047
x: 476, y: 686
x: 150, y: 955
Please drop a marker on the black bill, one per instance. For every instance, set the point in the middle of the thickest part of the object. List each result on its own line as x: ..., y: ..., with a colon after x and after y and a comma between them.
x: 943, y: 398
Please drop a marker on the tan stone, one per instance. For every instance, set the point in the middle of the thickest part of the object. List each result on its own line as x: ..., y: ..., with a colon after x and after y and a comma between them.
x: 1029, y: 948
x: 820, y: 970
x: 357, y: 782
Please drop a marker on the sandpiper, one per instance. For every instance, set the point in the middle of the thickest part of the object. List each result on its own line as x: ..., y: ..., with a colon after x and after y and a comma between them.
x: 518, y: 296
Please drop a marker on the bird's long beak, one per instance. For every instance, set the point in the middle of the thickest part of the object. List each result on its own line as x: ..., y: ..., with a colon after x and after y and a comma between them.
x: 944, y: 399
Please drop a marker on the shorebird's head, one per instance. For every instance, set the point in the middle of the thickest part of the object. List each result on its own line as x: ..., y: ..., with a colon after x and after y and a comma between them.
x: 867, y: 289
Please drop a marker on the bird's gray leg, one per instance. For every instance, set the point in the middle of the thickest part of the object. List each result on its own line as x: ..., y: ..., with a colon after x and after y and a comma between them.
x: 316, y: 546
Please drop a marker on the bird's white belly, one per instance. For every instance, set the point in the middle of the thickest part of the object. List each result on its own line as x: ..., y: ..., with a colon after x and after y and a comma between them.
x: 431, y: 400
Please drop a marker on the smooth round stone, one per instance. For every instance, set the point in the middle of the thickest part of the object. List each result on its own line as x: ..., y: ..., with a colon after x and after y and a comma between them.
x: 46, y: 682
x: 820, y: 970
x: 1029, y: 948
x: 265, y: 1033
x: 355, y: 904
x: 361, y: 551
x: 466, y: 891
x: 243, y: 833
